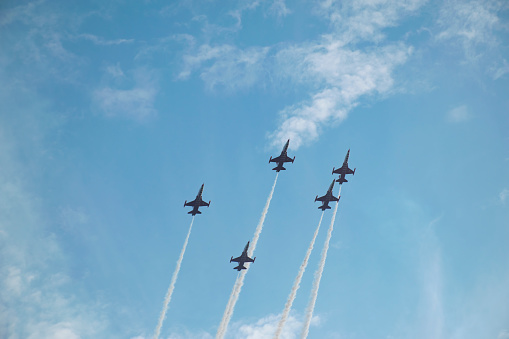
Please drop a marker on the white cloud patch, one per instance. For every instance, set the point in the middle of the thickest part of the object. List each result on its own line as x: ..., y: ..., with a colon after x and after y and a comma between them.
x: 504, y: 195
x: 346, y: 76
x: 503, y: 335
x: 279, y: 9
x: 184, y: 334
x: 34, y: 303
x: 458, y: 114
x: 39, y: 34
x: 104, y: 42
x: 341, y: 70
x: 115, y: 71
x: 355, y: 21
x: 471, y: 23
x: 334, y: 67
x: 266, y: 327
x: 136, y: 102
x: 71, y: 218
x: 502, y: 70
x: 226, y: 66
x: 259, y: 329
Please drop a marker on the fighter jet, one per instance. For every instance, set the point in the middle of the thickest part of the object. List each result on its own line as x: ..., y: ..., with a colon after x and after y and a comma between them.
x: 196, y: 203
x: 242, y: 259
x: 343, y: 170
x: 328, y: 197
x: 280, y: 160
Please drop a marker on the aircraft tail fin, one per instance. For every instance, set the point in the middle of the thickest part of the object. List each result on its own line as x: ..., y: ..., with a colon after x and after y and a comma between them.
x: 279, y: 168
x: 191, y: 212
x: 341, y: 180
x: 240, y: 267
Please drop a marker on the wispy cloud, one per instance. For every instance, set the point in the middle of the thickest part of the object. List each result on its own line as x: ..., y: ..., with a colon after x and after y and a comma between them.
x: 262, y: 328
x: 365, y: 20
x: 104, y: 42
x: 135, y: 102
x: 345, y: 75
x: 279, y: 9
x: 266, y: 327
x: 33, y: 301
x: 226, y: 66
x: 503, y: 335
x: 458, y: 114
x: 336, y: 70
x: 504, y: 195
x: 342, y: 71
x: 471, y: 23
x: 500, y: 71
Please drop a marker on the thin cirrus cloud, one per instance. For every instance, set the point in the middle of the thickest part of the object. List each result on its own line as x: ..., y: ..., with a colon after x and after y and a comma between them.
x: 365, y: 19
x: 458, y: 114
x: 346, y: 75
x: 135, y: 103
x: 104, y: 42
x: 338, y: 71
x: 226, y: 66
x: 344, y: 71
x: 343, y: 74
x: 504, y: 195
x: 352, y: 61
x: 472, y: 22
x: 262, y: 328
x: 33, y: 303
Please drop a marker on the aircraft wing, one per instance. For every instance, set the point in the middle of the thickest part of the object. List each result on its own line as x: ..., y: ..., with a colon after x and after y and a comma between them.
x: 191, y: 203
x: 334, y: 199
x: 286, y: 159
x: 337, y: 171
x: 321, y: 198
x: 203, y: 203
x: 248, y: 259
x: 236, y: 259
x: 349, y: 171
x: 277, y: 159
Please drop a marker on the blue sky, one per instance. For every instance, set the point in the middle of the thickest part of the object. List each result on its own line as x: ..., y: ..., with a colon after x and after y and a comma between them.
x: 113, y: 114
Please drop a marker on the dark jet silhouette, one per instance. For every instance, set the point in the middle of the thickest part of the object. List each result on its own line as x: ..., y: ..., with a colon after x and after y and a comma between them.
x: 242, y: 259
x: 196, y: 203
x: 280, y: 160
x: 343, y: 170
x: 328, y: 197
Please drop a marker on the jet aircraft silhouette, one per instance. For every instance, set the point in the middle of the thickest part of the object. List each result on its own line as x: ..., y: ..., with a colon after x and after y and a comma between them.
x: 196, y: 203
x: 328, y: 197
x: 242, y: 259
x: 343, y: 170
x: 281, y: 159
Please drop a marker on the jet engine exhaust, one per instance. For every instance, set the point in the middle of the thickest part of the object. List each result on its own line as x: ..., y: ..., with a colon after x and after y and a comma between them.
x: 167, y: 298
x: 318, y: 276
x: 234, y: 296
x: 296, y: 284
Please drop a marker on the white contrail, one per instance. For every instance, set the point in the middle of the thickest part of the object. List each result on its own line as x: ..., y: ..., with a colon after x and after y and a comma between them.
x: 172, y: 285
x: 318, y: 276
x: 296, y: 284
x: 234, y: 296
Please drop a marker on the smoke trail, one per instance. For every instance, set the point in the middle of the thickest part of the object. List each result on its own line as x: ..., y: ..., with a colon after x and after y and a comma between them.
x: 296, y: 284
x: 318, y: 276
x: 234, y: 296
x: 172, y: 285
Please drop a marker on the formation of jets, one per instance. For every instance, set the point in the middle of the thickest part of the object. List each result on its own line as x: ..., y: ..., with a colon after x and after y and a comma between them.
x: 279, y: 160
x: 342, y: 171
